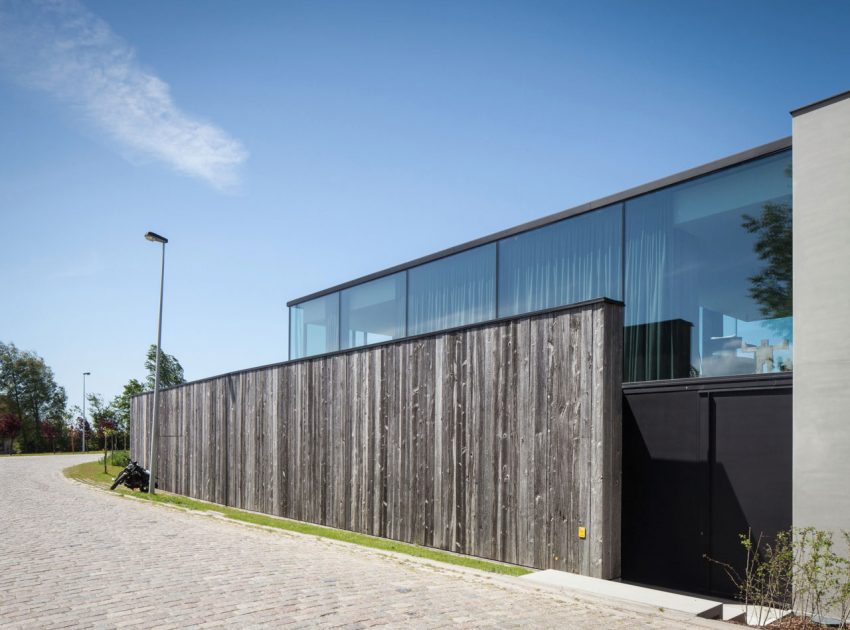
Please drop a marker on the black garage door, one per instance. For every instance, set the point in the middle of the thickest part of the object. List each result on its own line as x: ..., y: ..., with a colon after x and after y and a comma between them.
x: 702, y: 463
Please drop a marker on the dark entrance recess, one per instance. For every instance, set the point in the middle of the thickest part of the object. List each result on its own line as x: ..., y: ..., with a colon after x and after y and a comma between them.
x: 702, y: 463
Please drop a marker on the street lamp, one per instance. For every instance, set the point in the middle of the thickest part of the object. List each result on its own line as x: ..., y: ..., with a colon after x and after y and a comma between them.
x: 156, y: 238
x: 85, y: 374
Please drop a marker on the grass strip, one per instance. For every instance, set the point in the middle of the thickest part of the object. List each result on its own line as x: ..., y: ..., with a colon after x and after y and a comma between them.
x: 92, y: 473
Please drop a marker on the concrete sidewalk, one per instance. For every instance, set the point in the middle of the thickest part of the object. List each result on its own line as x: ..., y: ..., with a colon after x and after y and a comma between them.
x: 74, y: 557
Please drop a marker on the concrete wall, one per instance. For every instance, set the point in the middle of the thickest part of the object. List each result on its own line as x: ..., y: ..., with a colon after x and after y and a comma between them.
x: 821, y: 163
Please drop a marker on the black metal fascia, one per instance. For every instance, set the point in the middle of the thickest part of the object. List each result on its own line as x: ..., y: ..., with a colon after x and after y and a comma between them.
x: 805, y: 109
x: 712, y: 383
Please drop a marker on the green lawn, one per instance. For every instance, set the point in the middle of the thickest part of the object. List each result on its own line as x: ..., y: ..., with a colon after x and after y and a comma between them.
x: 92, y: 473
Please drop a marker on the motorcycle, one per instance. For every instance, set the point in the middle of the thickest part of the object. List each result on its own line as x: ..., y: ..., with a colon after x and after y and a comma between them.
x: 134, y: 477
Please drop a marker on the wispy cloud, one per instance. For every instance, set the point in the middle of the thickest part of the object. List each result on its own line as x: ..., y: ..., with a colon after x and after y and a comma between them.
x: 63, y: 49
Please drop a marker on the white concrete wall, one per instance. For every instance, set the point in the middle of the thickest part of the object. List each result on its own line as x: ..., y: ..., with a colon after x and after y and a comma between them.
x: 821, y: 163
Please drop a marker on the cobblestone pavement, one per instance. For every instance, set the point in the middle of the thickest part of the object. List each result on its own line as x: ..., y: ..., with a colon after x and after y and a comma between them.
x: 72, y: 556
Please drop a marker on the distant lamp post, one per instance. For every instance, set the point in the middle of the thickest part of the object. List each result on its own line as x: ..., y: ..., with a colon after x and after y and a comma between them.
x: 156, y: 238
x: 85, y: 374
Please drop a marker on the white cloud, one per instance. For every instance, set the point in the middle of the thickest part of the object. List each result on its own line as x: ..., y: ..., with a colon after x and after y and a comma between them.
x: 60, y: 47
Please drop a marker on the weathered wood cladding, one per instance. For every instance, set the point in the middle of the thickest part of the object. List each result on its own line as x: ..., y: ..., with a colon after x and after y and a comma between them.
x: 497, y: 441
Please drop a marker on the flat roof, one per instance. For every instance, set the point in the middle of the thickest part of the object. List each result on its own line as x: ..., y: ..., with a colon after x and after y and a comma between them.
x: 829, y: 100
x: 664, y: 182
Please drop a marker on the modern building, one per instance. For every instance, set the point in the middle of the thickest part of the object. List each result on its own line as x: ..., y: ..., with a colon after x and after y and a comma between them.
x: 732, y: 385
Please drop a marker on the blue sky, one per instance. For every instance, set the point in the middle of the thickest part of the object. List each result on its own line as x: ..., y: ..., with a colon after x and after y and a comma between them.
x: 284, y: 147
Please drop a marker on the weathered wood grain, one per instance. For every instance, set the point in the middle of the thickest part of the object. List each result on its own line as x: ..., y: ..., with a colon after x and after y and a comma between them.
x: 498, y: 440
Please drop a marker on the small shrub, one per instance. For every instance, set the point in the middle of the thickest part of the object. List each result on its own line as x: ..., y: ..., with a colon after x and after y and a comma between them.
x: 842, y: 599
x: 798, y: 570
x: 815, y: 574
x: 117, y: 458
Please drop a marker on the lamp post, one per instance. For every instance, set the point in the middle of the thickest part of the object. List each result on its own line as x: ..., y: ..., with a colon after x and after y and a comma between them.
x: 85, y: 374
x: 156, y: 238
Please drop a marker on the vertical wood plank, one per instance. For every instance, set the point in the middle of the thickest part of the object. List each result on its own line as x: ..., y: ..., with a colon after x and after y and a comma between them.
x: 497, y: 440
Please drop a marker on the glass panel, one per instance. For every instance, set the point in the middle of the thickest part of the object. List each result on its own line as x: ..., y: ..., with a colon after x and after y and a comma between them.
x: 373, y: 311
x: 562, y: 263
x: 453, y: 291
x: 314, y: 327
x: 708, y: 275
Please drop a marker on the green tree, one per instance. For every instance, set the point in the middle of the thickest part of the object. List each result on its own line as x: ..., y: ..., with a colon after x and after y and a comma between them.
x: 771, y: 287
x: 100, y: 413
x: 170, y: 370
x: 29, y: 388
x: 103, y: 419
x: 121, y: 406
x: 170, y: 374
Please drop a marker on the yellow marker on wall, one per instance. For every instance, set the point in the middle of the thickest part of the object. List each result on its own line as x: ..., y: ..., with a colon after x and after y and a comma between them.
x: 582, y: 533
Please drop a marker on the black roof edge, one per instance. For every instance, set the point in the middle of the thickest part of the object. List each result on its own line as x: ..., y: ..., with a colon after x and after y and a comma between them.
x: 664, y: 182
x: 372, y: 346
x: 829, y: 100
x: 700, y: 383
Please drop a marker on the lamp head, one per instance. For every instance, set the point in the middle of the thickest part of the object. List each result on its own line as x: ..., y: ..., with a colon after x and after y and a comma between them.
x: 156, y: 238
x: 86, y: 373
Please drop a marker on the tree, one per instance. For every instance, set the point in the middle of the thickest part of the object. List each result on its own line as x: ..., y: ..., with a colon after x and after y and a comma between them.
x: 51, y: 431
x: 105, y: 425
x: 771, y: 287
x: 103, y: 418
x: 10, y: 427
x: 71, y: 420
x: 121, y: 405
x: 75, y: 432
x: 100, y: 413
x: 28, y: 386
x: 77, y: 428
x: 170, y: 374
x: 170, y: 370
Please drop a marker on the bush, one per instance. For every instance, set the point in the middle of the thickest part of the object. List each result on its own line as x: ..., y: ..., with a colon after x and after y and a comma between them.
x: 117, y: 458
x: 798, y: 570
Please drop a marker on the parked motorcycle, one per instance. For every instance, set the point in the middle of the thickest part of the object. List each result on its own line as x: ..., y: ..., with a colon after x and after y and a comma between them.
x: 134, y: 477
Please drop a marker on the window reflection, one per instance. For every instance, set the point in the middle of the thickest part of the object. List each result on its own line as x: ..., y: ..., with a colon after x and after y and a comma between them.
x: 453, y: 291
x: 706, y: 282
x: 373, y: 311
x: 708, y: 275
x: 562, y: 263
x: 314, y: 327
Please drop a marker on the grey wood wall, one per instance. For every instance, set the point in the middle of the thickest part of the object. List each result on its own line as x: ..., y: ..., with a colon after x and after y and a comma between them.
x: 497, y: 441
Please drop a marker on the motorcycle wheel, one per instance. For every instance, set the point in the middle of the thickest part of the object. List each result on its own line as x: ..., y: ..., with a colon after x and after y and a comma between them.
x: 119, y: 480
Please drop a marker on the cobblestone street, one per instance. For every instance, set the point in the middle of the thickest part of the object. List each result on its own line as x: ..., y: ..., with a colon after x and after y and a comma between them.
x: 75, y: 557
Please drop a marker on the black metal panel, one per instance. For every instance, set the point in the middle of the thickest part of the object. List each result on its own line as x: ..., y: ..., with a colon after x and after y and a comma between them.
x: 664, y: 483
x: 700, y: 467
x: 750, y: 473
